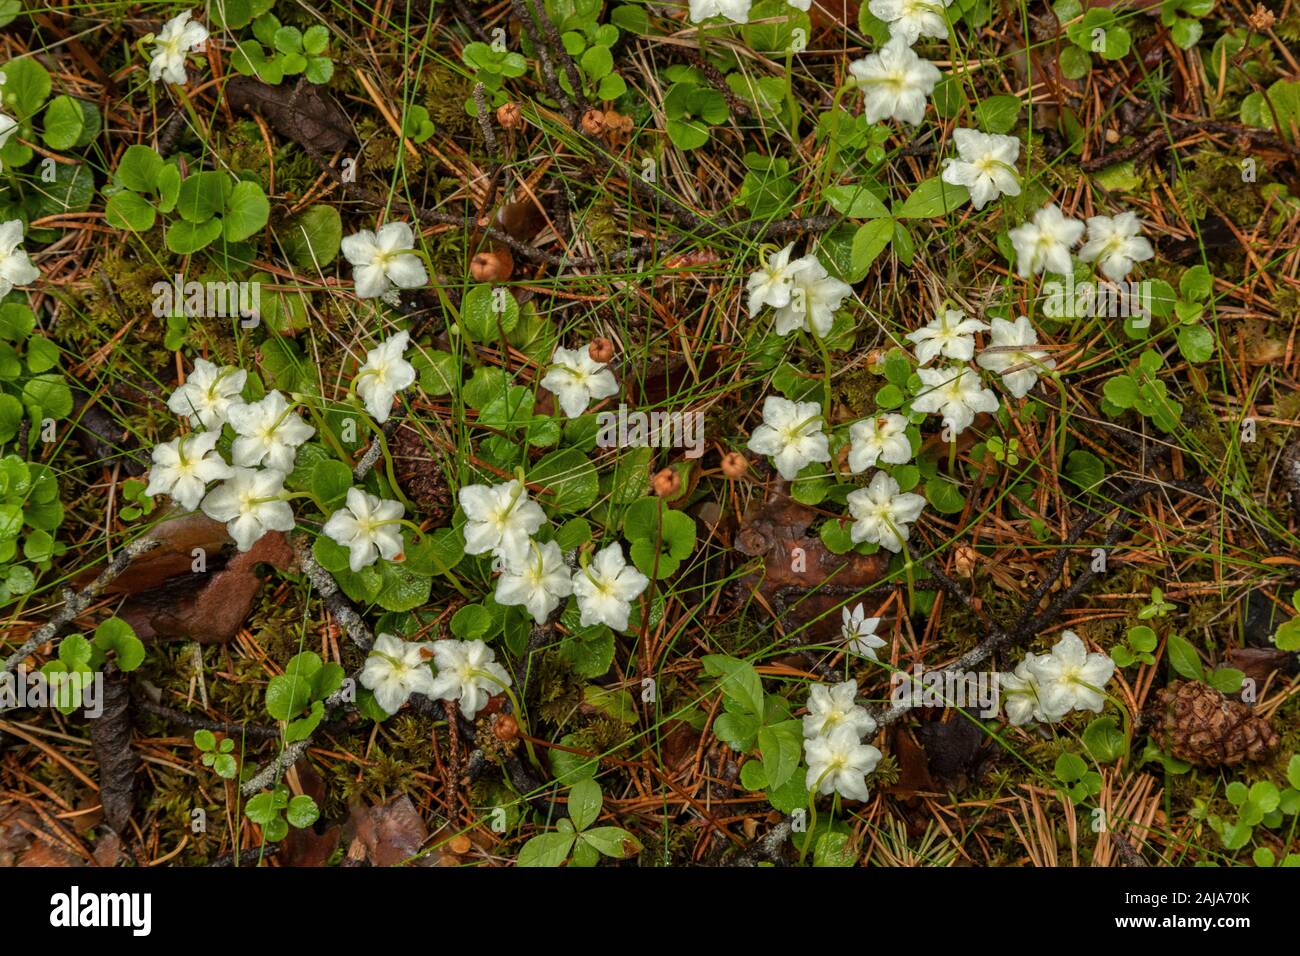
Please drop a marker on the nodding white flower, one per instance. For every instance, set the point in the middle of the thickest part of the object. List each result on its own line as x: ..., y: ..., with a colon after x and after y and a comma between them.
x: 369, y: 527
x: 911, y: 19
x: 180, y: 35
x: 7, y: 126
x: 251, y: 503
x: 839, y: 763
x: 183, y: 467
x: 860, y: 632
x: 895, y: 82
x: 882, y: 513
x: 1115, y: 243
x: 577, y: 379
x: 468, y: 673
x: 1023, y: 702
x: 814, y: 297
x: 1009, y: 349
x: 1045, y: 243
x: 606, y: 588
x: 956, y: 393
x: 949, y: 333
x: 15, y: 268
x: 536, y: 581
x: 1069, y: 678
x: 835, y: 706
x: 500, y: 519
x: 879, y: 438
x: 770, y: 285
x: 737, y: 11
x: 208, y: 394
x: 385, y: 374
x: 395, y: 670
x: 986, y: 165
x: 269, y: 432
x: 383, y: 259
x: 791, y: 434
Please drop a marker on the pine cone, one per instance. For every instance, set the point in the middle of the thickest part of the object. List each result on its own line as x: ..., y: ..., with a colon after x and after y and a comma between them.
x: 1196, y: 723
x: 420, y: 474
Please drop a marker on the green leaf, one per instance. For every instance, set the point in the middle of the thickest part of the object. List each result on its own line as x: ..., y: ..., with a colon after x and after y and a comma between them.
x: 546, y: 849
x: 585, y: 801
x: 613, y: 842
x: 931, y: 198
x: 247, y: 211
x: 302, y: 811
x: 315, y: 39
x: 568, y: 767
x: 998, y: 114
x: 856, y: 202
x: 185, y: 237
x: 1069, y: 767
x: 740, y: 683
x: 871, y: 239
x: 118, y: 636
x: 26, y: 87
x: 946, y: 497
x: 75, y: 651
x: 287, y: 696
x: 70, y: 123
x: 49, y: 395
x: 1183, y: 658
x: 1104, y: 741
x: 781, y: 745
x: 203, y: 195
x: 128, y: 210
x: 569, y: 479
x: 487, y: 312
x: 1084, y: 469
x: 1196, y: 343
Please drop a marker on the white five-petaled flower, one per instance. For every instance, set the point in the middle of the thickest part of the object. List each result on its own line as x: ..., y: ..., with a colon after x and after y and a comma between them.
x: 7, y: 126
x: 1069, y: 678
x: 839, y: 763
x: 383, y: 259
x: 269, y: 432
x: 208, y: 394
x: 835, y: 706
x: 860, y: 632
x: 251, y: 503
x: 737, y: 11
x: 395, y: 670
x: 1044, y: 244
x: 183, y: 467
x: 1115, y: 243
x: 956, y: 393
x: 882, y: 514
x: 15, y: 268
x: 385, y: 374
x: 468, y: 673
x: 814, y: 296
x: 791, y: 434
x: 1010, y: 348
x: 879, y: 438
x: 911, y: 19
x: 369, y: 527
x: 180, y: 35
x: 577, y: 379
x: 950, y: 334
x: 500, y: 519
x: 536, y: 581
x: 895, y: 82
x: 770, y: 285
x: 606, y: 587
x: 985, y: 164
x: 1022, y: 703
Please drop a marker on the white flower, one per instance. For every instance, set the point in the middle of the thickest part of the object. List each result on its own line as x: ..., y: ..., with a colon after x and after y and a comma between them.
x: 883, y: 514
x: 895, y: 83
x: 860, y: 632
x: 1022, y: 702
x: 834, y: 706
x: 7, y: 126
x: 537, y: 581
x: 395, y: 670
x: 500, y: 519
x: 15, y: 268
x: 955, y: 393
x: 986, y: 165
x: 1115, y: 244
x: 208, y: 394
x: 606, y: 587
x: 250, y: 503
x: 737, y: 11
x: 839, y: 762
x: 1008, y: 349
x: 879, y: 438
x: 949, y: 333
x: 180, y: 35
x: 910, y: 19
x: 369, y: 527
x: 814, y: 297
x: 385, y: 374
x: 791, y: 434
x: 1072, y: 679
x: 770, y: 285
x: 468, y: 672
x: 576, y: 379
x: 183, y: 467
x: 1045, y: 243
x: 269, y: 432
x: 384, y: 259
